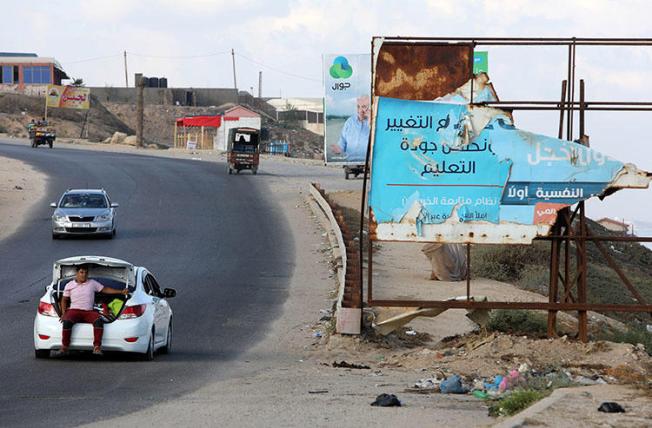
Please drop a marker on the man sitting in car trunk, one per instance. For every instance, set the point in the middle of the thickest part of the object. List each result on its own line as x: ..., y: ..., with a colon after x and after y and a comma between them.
x: 77, y: 306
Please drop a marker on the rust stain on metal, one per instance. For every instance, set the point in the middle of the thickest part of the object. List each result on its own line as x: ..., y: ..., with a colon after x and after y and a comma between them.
x: 423, y: 71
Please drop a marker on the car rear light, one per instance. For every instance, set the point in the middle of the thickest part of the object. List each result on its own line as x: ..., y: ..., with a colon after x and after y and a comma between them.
x: 46, y: 309
x: 131, y: 339
x: 132, y: 312
x: 43, y: 336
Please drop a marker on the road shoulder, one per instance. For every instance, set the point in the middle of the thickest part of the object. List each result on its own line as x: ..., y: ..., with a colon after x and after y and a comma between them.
x: 21, y: 188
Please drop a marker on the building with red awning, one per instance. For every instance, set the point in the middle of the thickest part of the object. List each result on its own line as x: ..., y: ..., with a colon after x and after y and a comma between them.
x: 210, y: 132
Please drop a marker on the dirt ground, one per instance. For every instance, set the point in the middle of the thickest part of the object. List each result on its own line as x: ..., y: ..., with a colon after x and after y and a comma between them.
x: 288, y: 379
x: 159, y: 126
x: 105, y: 118
x: 17, y: 110
x: 21, y: 187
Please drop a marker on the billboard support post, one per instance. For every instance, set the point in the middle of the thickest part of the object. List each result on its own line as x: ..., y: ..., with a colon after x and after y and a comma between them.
x: 568, y: 227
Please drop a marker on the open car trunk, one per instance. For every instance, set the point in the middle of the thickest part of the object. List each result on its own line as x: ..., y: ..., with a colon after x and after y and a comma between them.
x: 111, y: 273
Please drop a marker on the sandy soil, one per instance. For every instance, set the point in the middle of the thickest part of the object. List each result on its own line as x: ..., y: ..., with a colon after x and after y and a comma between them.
x: 21, y: 187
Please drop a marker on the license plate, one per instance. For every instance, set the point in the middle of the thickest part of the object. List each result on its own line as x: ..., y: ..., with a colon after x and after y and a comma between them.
x: 83, y: 225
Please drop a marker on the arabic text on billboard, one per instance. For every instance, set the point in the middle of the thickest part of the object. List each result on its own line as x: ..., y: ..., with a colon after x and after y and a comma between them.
x: 68, y: 97
x: 347, y: 80
x: 436, y: 179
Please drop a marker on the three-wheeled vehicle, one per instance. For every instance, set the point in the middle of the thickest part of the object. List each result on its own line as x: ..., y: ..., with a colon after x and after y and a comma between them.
x: 242, y: 151
x: 40, y: 133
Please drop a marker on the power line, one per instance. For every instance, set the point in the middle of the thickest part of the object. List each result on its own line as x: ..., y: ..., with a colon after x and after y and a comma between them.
x: 178, y: 56
x: 97, y: 58
x: 277, y: 69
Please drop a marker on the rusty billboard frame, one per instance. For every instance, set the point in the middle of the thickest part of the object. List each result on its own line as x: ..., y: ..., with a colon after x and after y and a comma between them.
x: 574, y: 286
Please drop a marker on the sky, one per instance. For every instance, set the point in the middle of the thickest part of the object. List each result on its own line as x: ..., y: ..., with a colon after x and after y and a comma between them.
x: 190, y: 43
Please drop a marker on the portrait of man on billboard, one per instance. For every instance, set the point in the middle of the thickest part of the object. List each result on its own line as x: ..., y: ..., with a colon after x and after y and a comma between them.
x: 352, y: 145
x: 347, y: 80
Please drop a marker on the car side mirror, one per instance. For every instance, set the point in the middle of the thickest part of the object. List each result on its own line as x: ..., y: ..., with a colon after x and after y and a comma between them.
x: 169, y: 293
x: 53, y: 204
x: 114, y: 205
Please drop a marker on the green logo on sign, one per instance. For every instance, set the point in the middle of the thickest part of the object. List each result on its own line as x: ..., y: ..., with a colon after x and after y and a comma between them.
x: 341, y: 69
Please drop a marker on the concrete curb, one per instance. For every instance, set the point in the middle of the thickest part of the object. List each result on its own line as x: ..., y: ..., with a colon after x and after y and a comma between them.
x: 347, y: 319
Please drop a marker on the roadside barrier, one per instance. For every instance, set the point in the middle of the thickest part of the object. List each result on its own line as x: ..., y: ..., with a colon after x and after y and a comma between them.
x: 348, y: 312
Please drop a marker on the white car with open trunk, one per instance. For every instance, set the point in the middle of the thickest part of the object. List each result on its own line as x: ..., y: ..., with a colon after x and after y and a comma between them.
x: 140, y: 322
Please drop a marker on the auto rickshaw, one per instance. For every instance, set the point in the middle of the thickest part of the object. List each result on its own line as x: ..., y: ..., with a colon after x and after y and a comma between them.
x: 40, y: 133
x: 242, y: 151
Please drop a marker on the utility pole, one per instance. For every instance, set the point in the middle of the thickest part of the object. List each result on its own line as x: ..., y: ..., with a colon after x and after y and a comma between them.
x: 126, y: 78
x: 235, y: 82
x: 140, y: 87
x: 260, y: 84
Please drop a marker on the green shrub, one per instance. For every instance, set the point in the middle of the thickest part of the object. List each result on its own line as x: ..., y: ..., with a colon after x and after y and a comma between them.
x: 506, y: 262
x: 633, y: 335
x: 519, y: 322
x: 515, y: 402
x: 527, y: 267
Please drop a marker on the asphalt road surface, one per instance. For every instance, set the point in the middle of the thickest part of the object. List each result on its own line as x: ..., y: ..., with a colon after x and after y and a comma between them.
x: 219, y: 240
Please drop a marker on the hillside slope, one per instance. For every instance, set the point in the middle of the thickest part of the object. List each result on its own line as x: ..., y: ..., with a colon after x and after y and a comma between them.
x: 17, y: 110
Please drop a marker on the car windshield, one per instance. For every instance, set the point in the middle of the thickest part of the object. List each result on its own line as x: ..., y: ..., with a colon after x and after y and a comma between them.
x: 83, y: 200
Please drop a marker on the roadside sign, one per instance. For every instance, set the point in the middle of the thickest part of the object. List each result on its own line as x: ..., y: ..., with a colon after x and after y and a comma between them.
x: 480, y: 62
x: 346, y: 107
x: 68, y: 97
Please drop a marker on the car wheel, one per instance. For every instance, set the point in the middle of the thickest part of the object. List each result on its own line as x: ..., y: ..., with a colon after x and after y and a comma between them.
x: 149, y: 354
x: 42, y: 353
x: 168, y: 342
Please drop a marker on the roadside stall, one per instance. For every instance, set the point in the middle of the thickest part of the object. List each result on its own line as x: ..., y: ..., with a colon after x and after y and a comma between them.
x: 196, y: 132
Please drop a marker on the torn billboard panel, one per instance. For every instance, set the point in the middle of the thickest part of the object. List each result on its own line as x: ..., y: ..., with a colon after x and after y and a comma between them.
x: 346, y: 107
x: 446, y: 172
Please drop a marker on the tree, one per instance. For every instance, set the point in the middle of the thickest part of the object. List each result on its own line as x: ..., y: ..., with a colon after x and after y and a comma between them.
x: 289, y: 117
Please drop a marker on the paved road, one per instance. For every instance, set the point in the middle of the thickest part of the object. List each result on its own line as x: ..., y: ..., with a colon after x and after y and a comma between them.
x: 220, y: 240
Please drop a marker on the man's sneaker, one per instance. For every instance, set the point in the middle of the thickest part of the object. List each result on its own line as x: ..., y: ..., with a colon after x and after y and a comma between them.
x: 97, y: 351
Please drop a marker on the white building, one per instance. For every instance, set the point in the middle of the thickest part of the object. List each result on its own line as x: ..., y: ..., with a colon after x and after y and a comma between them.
x: 235, y: 117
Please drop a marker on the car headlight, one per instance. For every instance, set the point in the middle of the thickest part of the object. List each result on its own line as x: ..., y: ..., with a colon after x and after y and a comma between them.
x: 59, y: 217
x: 105, y: 217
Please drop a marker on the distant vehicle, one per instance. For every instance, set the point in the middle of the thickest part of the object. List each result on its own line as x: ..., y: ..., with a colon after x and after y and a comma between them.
x: 84, y: 212
x: 242, y: 151
x: 140, y: 322
x: 40, y: 134
x: 353, y: 169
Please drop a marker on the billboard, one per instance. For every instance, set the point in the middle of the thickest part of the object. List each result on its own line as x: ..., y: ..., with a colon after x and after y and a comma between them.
x: 347, y: 80
x: 457, y: 173
x: 68, y: 97
x: 445, y: 169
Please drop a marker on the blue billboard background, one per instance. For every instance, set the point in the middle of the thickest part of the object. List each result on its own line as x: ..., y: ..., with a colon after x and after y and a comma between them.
x: 503, y: 174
